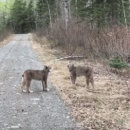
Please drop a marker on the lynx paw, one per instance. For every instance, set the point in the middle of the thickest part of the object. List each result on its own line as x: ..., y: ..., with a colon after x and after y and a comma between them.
x: 46, y: 89
x: 30, y: 91
x: 24, y: 91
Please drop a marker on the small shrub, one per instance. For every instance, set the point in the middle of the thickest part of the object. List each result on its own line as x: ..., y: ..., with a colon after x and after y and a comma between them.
x: 117, y: 63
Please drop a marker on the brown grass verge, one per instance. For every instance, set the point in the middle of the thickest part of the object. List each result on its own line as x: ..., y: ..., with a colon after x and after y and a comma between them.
x: 6, y: 40
x: 105, y: 108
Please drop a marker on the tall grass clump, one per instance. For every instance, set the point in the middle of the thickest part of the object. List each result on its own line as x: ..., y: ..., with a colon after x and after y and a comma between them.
x: 5, y: 33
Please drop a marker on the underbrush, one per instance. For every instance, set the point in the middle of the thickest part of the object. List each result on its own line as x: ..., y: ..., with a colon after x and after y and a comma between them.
x: 3, y: 36
x: 82, y: 39
x: 105, y: 108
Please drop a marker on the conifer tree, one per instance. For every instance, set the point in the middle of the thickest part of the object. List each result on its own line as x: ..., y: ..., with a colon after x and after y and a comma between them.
x: 101, y: 12
x: 42, y: 14
x: 30, y: 21
x: 18, y: 16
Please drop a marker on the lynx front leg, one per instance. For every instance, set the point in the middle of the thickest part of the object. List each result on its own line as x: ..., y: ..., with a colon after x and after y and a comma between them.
x: 45, y: 89
x: 73, y: 79
x: 43, y: 85
x: 92, y: 82
x: 87, y: 82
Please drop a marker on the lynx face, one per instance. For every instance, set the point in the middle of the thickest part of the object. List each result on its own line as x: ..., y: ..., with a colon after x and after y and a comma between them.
x: 47, y: 69
x: 71, y: 67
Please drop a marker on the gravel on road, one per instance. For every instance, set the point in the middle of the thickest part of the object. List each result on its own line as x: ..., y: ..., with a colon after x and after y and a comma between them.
x: 22, y: 111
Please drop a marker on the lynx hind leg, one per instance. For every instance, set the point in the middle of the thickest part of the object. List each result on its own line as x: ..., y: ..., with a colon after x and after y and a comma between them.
x: 28, y: 87
x: 92, y: 81
x: 23, y: 83
x: 73, y: 79
x: 87, y: 82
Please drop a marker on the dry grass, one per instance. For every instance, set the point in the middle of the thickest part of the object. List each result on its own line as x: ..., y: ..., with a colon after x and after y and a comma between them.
x: 105, y: 108
x: 6, y: 40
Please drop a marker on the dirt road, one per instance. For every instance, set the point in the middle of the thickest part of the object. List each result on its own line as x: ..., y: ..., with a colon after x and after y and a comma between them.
x: 22, y: 111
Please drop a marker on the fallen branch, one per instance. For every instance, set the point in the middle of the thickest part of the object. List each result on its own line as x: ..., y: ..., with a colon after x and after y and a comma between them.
x: 72, y: 58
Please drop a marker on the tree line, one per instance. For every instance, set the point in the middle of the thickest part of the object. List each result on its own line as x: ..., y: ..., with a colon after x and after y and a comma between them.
x: 27, y: 15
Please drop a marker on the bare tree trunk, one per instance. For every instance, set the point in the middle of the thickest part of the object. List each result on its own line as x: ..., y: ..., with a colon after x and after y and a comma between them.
x: 126, y: 49
x: 129, y: 4
x: 56, y: 9
x: 76, y: 5
x: 69, y: 10
x: 36, y: 19
x: 104, y: 5
x: 66, y: 10
x: 49, y: 11
x: 124, y: 14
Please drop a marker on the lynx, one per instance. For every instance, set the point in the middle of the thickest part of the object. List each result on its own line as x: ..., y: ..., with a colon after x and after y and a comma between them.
x: 76, y: 71
x: 29, y: 75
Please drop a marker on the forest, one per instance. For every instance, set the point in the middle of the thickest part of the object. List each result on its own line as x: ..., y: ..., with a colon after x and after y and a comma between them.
x: 101, y: 27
